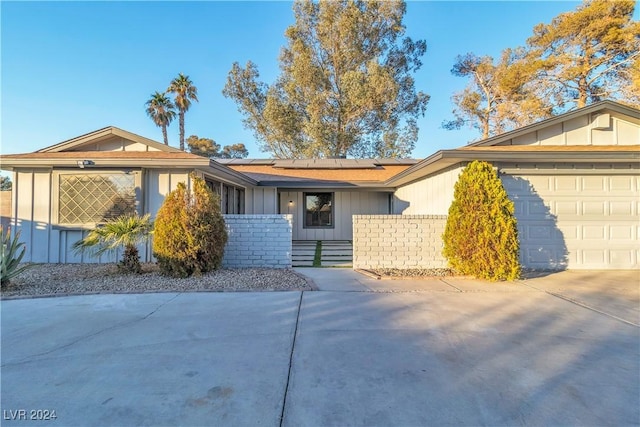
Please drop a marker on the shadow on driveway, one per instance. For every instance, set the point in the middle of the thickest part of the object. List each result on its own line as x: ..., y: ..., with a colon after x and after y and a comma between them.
x: 453, y: 352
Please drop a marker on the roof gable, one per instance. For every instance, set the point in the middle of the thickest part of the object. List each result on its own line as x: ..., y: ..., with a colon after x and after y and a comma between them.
x: 603, y: 123
x: 109, y: 138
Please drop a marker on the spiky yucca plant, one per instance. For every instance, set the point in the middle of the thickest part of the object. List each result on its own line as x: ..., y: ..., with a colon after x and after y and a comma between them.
x: 12, y: 253
x: 126, y: 231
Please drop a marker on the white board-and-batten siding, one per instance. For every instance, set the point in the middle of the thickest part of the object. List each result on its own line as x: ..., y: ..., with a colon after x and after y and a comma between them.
x: 597, y: 130
x: 34, y: 214
x: 261, y: 200
x: 345, y: 205
x: 430, y: 196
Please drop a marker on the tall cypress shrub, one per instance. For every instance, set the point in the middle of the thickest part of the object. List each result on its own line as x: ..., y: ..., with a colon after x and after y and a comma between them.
x: 207, y: 228
x: 481, y: 234
x: 189, y: 234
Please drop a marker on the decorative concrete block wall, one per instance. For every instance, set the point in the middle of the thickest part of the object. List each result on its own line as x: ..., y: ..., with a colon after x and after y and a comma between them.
x: 258, y: 241
x: 398, y: 241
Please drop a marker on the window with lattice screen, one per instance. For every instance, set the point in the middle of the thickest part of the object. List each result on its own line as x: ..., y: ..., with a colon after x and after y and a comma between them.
x: 95, y: 198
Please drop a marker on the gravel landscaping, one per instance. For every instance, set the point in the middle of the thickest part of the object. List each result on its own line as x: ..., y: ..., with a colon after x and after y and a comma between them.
x: 72, y: 279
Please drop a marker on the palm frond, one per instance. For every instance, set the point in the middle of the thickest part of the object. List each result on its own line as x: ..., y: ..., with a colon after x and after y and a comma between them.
x: 126, y: 230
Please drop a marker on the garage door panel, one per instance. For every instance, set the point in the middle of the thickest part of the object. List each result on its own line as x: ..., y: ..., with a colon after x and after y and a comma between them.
x: 593, y: 208
x: 620, y: 183
x: 566, y: 207
x: 595, y: 257
x: 587, y: 221
x: 622, y: 258
x: 539, y: 232
x: 591, y: 232
x: 624, y: 208
x: 621, y: 232
x: 542, y: 258
x: 536, y: 208
x: 593, y: 183
x: 540, y: 183
x: 566, y: 182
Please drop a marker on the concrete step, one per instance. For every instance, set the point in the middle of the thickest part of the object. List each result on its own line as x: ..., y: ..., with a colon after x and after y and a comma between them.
x: 337, y: 264
x: 337, y: 253
x: 306, y: 264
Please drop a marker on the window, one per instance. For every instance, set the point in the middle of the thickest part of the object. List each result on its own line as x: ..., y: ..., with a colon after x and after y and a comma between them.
x: 95, y: 198
x: 231, y: 198
x: 318, y: 210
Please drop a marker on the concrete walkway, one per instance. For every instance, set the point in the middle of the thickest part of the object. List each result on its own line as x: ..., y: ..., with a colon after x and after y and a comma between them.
x: 555, y: 350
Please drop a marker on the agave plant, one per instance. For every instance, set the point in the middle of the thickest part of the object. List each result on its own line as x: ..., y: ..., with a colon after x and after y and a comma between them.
x: 126, y: 231
x: 10, y: 257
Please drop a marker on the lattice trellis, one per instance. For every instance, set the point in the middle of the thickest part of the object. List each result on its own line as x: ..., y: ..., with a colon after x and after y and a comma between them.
x: 95, y: 198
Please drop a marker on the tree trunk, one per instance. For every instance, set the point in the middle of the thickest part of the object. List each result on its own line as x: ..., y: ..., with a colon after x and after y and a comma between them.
x: 181, y: 120
x: 485, y: 127
x: 583, y: 89
x: 164, y: 135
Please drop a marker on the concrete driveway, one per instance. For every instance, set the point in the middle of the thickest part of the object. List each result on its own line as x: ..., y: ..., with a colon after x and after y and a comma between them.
x: 557, y: 350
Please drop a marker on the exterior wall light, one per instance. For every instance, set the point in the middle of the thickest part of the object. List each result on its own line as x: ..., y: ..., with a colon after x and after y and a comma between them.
x: 83, y: 163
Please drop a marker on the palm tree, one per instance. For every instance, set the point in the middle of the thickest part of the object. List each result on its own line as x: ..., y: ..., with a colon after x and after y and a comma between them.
x: 184, y: 91
x: 161, y: 110
x: 126, y: 231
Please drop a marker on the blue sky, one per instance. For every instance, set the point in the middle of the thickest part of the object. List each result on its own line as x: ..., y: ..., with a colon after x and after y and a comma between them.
x: 69, y: 68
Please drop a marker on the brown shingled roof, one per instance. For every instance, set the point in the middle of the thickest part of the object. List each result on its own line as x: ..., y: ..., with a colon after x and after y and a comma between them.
x: 270, y: 173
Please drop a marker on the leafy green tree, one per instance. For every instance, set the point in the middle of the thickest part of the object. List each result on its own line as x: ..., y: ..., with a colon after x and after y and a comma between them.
x: 234, y: 151
x: 5, y: 183
x: 581, y: 56
x: 346, y: 85
x: 161, y: 110
x: 207, y: 147
x: 185, y: 92
x: 481, y: 234
x: 126, y: 231
x: 497, y: 97
x: 204, y: 147
x: 189, y: 233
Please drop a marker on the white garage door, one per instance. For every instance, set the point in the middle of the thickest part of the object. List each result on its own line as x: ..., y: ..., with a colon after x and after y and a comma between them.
x: 577, y: 221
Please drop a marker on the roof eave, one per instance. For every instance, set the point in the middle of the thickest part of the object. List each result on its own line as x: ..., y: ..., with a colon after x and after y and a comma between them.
x: 11, y: 164
x: 228, y: 173
x: 445, y: 158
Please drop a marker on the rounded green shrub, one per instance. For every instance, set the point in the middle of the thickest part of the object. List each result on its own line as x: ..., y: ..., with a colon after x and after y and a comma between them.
x: 189, y: 234
x: 481, y: 234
